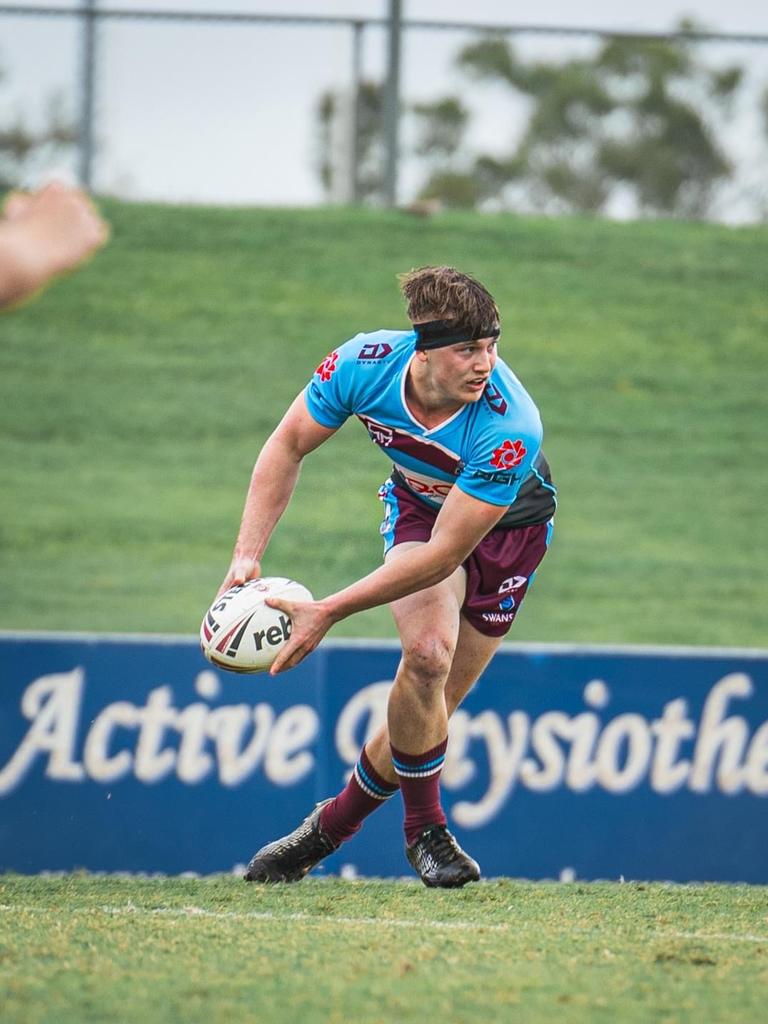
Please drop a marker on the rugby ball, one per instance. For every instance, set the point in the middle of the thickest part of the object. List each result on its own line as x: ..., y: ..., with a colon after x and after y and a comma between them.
x: 243, y: 634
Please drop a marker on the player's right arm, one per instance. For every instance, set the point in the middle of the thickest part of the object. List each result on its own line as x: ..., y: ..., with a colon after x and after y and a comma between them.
x: 316, y: 414
x: 272, y: 483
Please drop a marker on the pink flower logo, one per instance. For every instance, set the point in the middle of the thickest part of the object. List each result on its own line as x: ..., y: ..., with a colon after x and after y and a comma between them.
x: 509, y: 455
x: 327, y: 368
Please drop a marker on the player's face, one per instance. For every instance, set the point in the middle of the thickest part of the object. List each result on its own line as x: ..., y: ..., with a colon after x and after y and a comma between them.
x: 462, y: 370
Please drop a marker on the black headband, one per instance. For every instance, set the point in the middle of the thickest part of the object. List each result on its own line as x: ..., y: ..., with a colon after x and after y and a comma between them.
x: 439, y: 333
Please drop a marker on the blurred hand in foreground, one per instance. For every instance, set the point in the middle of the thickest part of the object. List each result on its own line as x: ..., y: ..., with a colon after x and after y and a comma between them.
x: 44, y: 234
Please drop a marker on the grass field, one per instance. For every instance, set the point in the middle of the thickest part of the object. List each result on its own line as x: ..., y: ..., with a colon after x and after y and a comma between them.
x: 80, y: 949
x: 135, y: 396
x: 133, y: 400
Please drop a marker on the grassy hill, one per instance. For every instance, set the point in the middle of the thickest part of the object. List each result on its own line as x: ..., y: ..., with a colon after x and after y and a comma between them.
x: 134, y: 398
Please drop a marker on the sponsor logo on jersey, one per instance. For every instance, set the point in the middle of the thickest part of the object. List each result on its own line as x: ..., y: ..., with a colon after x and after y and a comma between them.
x: 328, y: 367
x: 425, y: 488
x: 509, y: 454
x: 497, y: 478
x: 374, y: 350
x: 494, y: 398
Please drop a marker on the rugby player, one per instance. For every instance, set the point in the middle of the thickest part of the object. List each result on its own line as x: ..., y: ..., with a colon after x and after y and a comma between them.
x: 468, y: 515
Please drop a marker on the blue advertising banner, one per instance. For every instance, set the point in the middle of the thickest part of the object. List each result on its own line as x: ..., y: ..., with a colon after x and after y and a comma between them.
x: 132, y: 754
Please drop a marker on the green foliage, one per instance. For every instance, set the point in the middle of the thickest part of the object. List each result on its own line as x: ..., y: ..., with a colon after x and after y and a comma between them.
x: 84, y: 949
x: 454, y: 190
x: 438, y: 128
x: 369, y: 154
x: 641, y: 117
x: 22, y: 148
x: 493, y: 60
x: 638, y: 114
x: 135, y: 395
x: 443, y: 124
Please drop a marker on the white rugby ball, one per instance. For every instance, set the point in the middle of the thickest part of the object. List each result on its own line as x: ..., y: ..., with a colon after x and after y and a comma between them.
x: 243, y: 634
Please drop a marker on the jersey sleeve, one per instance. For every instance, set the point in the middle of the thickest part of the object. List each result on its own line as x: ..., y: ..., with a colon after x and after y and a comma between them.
x: 499, y: 464
x: 330, y: 394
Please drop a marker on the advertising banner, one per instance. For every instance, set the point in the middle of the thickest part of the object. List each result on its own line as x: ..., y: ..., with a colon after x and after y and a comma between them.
x: 132, y: 754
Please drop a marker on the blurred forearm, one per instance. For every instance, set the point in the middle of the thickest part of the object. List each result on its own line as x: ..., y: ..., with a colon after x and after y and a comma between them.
x: 44, y: 234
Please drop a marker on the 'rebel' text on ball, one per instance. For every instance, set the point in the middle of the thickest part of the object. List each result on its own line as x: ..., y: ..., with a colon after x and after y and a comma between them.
x: 241, y: 633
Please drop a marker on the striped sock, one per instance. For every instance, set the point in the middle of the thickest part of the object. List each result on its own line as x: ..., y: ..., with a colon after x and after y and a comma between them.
x: 419, y: 776
x: 363, y: 794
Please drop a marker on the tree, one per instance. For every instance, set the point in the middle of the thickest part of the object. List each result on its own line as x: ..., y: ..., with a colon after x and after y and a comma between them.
x: 24, y: 150
x: 438, y: 130
x: 369, y: 152
x: 631, y: 116
x: 638, y: 119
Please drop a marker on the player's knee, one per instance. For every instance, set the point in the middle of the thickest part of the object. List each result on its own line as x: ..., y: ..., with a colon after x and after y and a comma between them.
x: 427, y: 661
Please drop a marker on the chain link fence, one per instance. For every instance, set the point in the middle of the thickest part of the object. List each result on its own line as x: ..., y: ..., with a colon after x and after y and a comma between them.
x: 189, y: 105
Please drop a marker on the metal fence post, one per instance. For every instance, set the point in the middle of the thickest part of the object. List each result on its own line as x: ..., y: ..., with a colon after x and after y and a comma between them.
x: 358, y: 27
x: 392, y: 104
x: 87, y: 87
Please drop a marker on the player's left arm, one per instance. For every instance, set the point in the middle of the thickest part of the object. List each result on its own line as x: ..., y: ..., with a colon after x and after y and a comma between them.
x: 462, y: 523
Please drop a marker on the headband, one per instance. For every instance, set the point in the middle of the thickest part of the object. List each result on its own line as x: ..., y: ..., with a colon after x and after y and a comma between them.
x: 439, y: 333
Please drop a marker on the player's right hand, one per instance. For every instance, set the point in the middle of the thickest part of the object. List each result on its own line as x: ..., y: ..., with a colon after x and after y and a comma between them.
x: 242, y: 568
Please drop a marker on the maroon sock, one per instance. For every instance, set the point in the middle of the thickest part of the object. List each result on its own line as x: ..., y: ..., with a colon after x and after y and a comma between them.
x: 363, y: 794
x: 419, y: 776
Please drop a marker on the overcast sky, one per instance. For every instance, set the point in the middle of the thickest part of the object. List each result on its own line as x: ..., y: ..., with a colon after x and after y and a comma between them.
x: 225, y: 114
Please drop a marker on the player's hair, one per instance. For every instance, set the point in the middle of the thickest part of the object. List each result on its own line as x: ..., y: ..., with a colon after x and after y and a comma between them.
x: 444, y: 293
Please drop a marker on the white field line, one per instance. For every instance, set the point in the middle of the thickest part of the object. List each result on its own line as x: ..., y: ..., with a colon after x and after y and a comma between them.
x: 254, y: 915
x: 714, y: 937
x: 356, y: 922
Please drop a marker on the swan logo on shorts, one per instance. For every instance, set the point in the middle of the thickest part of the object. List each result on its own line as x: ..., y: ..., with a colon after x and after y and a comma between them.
x: 509, y: 454
x: 513, y: 583
x: 327, y: 368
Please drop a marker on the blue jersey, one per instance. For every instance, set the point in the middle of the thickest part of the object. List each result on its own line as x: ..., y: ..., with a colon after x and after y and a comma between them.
x: 490, y: 449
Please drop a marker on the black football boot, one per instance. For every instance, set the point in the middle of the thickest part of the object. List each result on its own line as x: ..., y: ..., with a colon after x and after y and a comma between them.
x: 439, y: 860
x: 290, y: 858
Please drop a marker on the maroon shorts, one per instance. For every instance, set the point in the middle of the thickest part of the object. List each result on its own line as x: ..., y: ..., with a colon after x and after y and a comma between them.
x: 499, y: 570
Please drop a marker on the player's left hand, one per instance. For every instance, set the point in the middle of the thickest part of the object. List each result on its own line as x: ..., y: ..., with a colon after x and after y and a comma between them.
x: 311, y: 621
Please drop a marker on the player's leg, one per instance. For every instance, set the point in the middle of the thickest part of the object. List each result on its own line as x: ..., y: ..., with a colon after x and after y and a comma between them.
x: 430, y: 848
x: 417, y: 716
x: 417, y: 723
x: 473, y: 652
x: 498, y: 573
x: 428, y: 623
x: 373, y: 779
